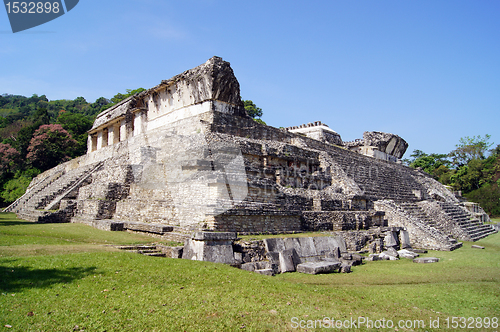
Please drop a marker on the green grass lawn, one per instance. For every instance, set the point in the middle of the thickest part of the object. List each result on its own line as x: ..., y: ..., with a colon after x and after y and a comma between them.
x: 64, y: 277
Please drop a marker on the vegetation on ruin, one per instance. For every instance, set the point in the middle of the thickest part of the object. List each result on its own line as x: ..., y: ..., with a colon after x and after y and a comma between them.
x: 63, y: 277
x: 472, y: 168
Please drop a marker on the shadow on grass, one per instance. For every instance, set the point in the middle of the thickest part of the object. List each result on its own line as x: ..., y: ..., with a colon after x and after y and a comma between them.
x: 10, y: 219
x: 15, y: 279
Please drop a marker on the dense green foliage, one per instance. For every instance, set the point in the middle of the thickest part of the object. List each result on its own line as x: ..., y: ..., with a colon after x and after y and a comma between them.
x: 471, y: 168
x: 37, y: 134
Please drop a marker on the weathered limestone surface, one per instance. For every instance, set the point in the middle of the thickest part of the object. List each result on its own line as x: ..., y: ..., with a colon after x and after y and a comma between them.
x: 184, y: 157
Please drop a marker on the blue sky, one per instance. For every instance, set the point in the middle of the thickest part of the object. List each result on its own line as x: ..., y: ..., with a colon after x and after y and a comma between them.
x: 428, y: 71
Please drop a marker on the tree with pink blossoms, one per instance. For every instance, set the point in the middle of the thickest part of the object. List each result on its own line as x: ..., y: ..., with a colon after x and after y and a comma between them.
x: 50, y: 146
x: 9, y: 158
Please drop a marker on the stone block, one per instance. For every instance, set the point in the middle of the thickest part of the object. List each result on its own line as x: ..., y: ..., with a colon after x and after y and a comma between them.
x: 148, y: 228
x: 318, y: 267
x: 273, y: 257
x: 386, y: 256
x: 238, y: 257
x: 171, y: 252
x: 347, y: 256
x: 374, y: 257
x: 292, y: 243
x: 286, y: 260
x: 307, y: 248
x: 419, y: 251
x: 214, y: 236
x: 324, y: 243
x: 392, y: 252
x: 404, y: 238
x: 475, y: 246
x: 333, y: 253
x: 390, y: 240
x: 266, y: 272
x: 341, y: 243
x: 205, y: 246
x: 407, y: 254
x: 357, y: 259
x: 426, y: 260
x: 372, y: 248
x: 274, y: 244
x: 248, y: 266
x: 345, y: 267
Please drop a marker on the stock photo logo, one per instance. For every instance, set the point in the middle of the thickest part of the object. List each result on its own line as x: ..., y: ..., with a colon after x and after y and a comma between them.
x: 25, y: 15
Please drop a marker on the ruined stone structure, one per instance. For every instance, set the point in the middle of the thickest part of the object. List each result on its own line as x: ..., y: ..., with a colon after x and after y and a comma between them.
x: 184, y: 157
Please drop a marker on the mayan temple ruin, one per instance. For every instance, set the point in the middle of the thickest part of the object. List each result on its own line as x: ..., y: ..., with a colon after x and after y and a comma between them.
x: 184, y: 158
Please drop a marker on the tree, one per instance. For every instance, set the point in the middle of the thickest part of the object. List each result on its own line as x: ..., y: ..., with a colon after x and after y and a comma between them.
x: 15, y: 188
x: 77, y: 125
x: 9, y: 158
x: 252, y: 110
x: 120, y: 96
x: 469, y: 148
x: 50, y: 146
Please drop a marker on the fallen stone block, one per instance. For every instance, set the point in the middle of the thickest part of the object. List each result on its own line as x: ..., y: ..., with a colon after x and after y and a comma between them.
x: 374, y: 257
x: 274, y: 244
x: 426, y: 260
x: 407, y: 254
x: 404, y: 238
x: 392, y: 252
x: 318, y: 267
x: 357, y: 259
x: 419, y: 251
x: 286, y: 260
x: 238, y: 257
x: 172, y: 252
x: 474, y: 246
x: 385, y: 256
x: 390, y: 240
x: 273, y: 257
x: 372, y: 248
x: 266, y: 272
x: 248, y: 267
x: 346, y: 267
x: 334, y: 253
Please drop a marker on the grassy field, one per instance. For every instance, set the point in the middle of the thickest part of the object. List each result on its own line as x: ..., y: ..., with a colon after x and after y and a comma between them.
x: 66, y: 277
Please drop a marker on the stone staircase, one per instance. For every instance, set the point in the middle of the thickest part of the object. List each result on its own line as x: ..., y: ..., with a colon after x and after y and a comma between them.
x: 416, y: 211
x: 147, y: 250
x: 473, y: 227
x: 379, y: 179
x: 38, y: 203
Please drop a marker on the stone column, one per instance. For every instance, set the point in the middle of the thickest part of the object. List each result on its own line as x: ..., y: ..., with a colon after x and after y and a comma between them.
x: 105, y: 137
x: 91, y: 143
x: 123, y: 130
x: 138, y: 122
x: 99, y: 139
x: 111, y: 135
x: 116, y: 131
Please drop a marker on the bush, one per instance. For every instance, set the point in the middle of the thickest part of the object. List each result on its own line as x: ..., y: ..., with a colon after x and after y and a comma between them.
x: 488, y: 197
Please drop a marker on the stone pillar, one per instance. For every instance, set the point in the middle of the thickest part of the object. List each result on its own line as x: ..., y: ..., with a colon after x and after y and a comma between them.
x: 105, y: 137
x: 89, y: 144
x: 138, y: 123
x: 111, y: 134
x: 123, y: 130
x: 99, y: 139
